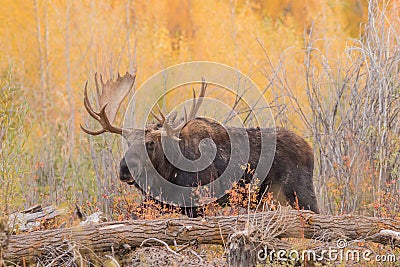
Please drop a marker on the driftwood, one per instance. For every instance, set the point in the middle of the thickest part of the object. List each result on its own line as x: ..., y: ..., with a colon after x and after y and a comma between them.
x: 32, y: 217
x: 211, y: 230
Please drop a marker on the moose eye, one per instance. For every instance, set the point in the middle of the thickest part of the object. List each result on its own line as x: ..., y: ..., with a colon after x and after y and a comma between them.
x: 150, y: 145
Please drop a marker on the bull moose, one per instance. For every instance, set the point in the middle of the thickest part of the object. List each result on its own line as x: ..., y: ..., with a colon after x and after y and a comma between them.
x: 289, y: 177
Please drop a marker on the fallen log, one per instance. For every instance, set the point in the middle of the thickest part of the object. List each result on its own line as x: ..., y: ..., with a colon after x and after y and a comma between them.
x: 211, y: 230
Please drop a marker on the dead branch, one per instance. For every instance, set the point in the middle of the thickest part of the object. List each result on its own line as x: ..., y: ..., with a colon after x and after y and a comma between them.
x: 32, y: 217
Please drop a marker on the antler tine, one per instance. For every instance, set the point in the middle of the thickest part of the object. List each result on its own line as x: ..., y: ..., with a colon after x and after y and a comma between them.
x: 106, y: 123
x: 156, y: 117
x: 160, y: 120
x: 186, y: 117
x: 197, y: 103
x: 193, y: 108
x: 173, y: 131
x: 161, y: 113
x: 203, y: 87
x: 92, y: 132
x: 87, y: 104
x: 192, y: 114
x: 178, y: 128
x: 101, y: 117
x: 92, y: 113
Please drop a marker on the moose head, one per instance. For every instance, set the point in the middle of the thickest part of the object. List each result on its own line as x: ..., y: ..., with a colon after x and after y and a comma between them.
x: 146, y: 146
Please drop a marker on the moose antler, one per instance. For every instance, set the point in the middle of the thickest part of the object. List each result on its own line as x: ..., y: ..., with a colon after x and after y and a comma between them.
x: 173, y: 131
x: 110, y: 97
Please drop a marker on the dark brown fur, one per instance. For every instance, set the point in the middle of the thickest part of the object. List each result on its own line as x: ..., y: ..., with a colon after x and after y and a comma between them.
x: 290, y: 176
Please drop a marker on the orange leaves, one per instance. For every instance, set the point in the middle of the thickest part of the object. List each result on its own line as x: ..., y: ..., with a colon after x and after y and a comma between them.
x: 346, y: 161
x: 39, y: 165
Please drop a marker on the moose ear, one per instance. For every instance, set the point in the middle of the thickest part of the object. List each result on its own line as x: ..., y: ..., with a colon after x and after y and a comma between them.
x: 172, y: 116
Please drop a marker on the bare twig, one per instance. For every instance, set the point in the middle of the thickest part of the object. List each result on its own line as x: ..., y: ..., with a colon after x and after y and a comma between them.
x: 162, y: 242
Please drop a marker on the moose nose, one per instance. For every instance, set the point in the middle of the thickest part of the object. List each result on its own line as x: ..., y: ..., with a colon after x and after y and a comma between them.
x: 124, y: 173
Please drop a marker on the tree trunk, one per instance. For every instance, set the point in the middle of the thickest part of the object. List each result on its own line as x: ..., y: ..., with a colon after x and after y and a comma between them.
x: 241, y: 251
x: 211, y: 230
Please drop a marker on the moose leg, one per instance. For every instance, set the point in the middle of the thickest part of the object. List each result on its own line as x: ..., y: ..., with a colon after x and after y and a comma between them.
x: 304, y: 195
x: 191, y: 212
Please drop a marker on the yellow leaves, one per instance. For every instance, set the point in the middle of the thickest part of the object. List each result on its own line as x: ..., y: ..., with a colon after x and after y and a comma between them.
x: 103, y: 35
